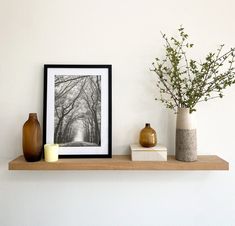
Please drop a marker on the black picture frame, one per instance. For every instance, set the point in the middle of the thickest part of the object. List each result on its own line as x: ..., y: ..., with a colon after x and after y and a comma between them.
x: 99, y: 145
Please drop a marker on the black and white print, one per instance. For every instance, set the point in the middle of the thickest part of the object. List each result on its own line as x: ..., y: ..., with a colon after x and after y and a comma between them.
x: 77, y: 110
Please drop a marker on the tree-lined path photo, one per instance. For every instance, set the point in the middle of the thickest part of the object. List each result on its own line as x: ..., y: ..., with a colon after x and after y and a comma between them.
x: 77, y: 116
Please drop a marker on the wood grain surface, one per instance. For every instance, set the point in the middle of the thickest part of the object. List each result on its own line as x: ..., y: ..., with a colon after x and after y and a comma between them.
x: 121, y: 162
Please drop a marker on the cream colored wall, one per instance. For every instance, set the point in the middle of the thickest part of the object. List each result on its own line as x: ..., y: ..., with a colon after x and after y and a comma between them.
x: 125, y: 34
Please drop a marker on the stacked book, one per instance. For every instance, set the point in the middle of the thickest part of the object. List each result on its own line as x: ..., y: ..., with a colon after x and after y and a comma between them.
x: 156, y: 153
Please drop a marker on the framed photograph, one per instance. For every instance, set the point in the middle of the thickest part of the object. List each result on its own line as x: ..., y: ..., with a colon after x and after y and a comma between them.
x: 77, y: 110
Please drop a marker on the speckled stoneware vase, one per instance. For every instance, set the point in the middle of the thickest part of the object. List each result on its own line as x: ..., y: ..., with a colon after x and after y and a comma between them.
x: 186, y: 136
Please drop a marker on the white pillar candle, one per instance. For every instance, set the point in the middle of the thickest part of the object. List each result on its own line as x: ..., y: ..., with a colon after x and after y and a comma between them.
x: 51, y: 152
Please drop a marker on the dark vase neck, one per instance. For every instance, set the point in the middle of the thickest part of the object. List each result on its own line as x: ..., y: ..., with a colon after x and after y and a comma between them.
x: 147, y: 125
x: 33, y: 116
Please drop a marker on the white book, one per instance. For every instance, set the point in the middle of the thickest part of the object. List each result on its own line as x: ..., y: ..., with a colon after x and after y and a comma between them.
x: 156, y: 153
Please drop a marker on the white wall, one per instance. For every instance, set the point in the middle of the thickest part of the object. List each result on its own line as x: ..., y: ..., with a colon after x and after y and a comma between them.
x: 126, y: 35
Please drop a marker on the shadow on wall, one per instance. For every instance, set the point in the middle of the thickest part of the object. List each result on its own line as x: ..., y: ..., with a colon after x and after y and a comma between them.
x: 171, y: 124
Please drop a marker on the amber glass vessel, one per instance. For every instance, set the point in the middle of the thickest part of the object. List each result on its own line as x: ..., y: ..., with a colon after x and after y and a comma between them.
x: 148, y: 137
x: 32, y: 139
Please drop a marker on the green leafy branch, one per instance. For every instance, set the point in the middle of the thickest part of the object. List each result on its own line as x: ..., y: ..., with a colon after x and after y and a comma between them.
x: 184, y: 82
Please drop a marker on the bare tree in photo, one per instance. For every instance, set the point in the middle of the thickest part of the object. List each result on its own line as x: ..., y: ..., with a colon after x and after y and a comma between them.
x: 77, y: 110
x: 92, y: 98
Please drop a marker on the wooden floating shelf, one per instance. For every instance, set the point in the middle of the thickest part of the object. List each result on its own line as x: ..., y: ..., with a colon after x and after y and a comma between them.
x: 121, y: 162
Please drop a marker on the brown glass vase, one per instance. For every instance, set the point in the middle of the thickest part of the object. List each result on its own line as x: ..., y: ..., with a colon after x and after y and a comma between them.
x: 148, y: 137
x: 32, y: 139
